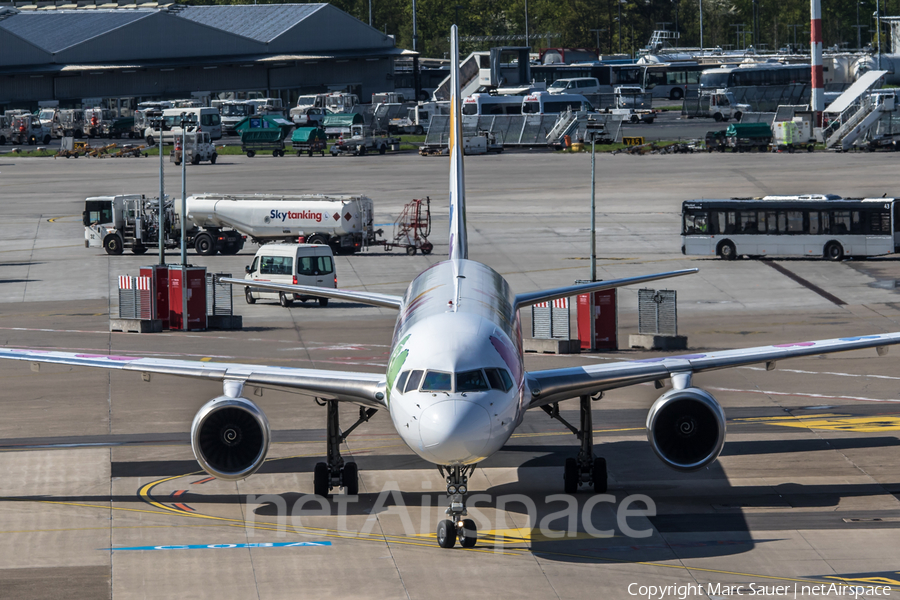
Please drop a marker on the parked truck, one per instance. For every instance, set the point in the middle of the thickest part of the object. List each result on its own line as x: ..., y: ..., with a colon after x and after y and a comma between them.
x: 744, y: 137
x: 796, y: 134
x: 343, y: 222
x: 361, y: 141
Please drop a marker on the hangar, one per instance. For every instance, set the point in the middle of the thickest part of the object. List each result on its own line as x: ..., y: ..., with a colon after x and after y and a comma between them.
x: 134, y: 52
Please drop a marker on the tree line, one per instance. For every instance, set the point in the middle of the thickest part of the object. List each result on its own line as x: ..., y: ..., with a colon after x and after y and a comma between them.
x: 729, y: 24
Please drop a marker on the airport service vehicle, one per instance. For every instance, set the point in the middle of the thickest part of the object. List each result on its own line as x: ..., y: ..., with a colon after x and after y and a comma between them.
x: 418, y: 118
x: 744, y: 137
x: 126, y: 221
x: 632, y: 104
x: 576, y: 85
x: 455, y: 386
x: 796, y: 134
x: 97, y: 122
x: 387, y: 98
x: 306, y: 102
x: 311, y: 265
x: 672, y: 80
x: 545, y: 103
x: 809, y: 225
x: 490, y: 104
x: 26, y: 128
x: 361, y: 141
x: 721, y: 105
x: 311, y: 116
x: 343, y: 222
x: 71, y: 123
x: 198, y: 147
x: 200, y: 119
x: 340, y: 102
x: 755, y: 74
x: 232, y: 112
x: 715, y: 140
x: 308, y: 140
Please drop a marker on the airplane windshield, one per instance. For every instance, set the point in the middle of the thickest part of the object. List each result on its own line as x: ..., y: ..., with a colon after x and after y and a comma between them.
x: 471, y: 381
x: 436, y: 381
x: 499, y: 379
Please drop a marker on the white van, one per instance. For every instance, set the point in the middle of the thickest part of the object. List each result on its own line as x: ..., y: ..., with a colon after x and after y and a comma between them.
x: 545, y: 103
x: 297, y: 264
x: 204, y: 118
x: 575, y: 85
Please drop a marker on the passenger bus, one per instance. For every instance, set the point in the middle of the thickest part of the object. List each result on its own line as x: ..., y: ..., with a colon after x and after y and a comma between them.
x: 545, y: 103
x: 754, y: 74
x: 607, y: 75
x: 808, y: 225
x: 672, y: 80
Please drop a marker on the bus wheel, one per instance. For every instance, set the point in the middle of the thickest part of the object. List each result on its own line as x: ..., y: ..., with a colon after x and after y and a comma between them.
x: 834, y: 251
x: 726, y: 251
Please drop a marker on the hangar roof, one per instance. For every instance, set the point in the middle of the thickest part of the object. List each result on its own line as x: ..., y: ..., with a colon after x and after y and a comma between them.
x: 39, y: 38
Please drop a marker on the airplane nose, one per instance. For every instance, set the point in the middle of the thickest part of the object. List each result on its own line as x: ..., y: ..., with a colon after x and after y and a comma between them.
x: 454, y: 432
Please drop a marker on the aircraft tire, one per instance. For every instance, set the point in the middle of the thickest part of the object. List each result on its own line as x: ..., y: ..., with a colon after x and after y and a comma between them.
x: 599, y: 476
x: 468, y: 534
x: 570, y: 476
x: 320, y: 480
x: 446, y: 534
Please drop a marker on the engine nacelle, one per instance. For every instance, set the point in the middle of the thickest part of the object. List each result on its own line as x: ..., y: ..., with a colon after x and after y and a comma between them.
x: 686, y: 428
x: 230, y: 438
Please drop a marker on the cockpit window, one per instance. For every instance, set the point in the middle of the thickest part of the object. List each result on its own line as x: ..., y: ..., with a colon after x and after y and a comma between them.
x: 471, y: 381
x: 401, y: 381
x: 413, y: 382
x: 499, y: 379
x: 436, y: 381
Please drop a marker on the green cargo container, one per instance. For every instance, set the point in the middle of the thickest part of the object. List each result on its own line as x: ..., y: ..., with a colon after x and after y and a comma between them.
x: 749, y: 130
x: 263, y: 132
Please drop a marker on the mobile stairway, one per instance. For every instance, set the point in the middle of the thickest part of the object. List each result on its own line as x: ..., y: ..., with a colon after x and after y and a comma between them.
x: 855, y: 112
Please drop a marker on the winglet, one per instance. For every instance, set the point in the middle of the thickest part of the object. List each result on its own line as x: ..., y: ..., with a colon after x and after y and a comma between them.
x: 459, y: 244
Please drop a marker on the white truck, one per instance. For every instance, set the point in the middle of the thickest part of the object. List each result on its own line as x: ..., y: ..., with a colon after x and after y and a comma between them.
x: 633, y: 104
x: 361, y: 141
x: 796, y: 134
x: 418, y: 118
x: 721, y: 106
x: 343, y: 222
x: 198, y: 147
x: 97, y: 121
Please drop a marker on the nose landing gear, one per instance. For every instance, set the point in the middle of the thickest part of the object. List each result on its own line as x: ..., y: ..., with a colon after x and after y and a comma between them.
x: 335, y: 473
x: 456, y: 527
x: 585, y: 469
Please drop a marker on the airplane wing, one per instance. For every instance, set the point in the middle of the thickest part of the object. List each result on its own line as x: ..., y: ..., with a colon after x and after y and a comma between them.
x: 555, y: 385
x: 529, y: 298
x: 360, y: 388
x: 371, y: 298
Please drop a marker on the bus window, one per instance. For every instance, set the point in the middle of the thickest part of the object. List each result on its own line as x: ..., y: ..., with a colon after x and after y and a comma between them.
x: 855, y: 222
x: 814, y: 222
x: 725, y: 222
x: 695, y: 223
x: 530, y: 108
x: 782, y: 222
x: 693, y: 77
x: 514, y: 109
x: 794, y: 221
x: 840, y: 222
x: 495, y: 109
x: 748, y: 221
x: 655, y: 78
x: 772, y: 222
x: 470, y: 109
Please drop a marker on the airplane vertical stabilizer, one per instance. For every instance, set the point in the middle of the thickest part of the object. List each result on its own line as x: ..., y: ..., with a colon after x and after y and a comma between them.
x: 459, y: 245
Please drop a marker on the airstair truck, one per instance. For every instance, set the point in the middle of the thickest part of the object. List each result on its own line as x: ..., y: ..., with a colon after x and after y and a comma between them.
x: 343, y: 222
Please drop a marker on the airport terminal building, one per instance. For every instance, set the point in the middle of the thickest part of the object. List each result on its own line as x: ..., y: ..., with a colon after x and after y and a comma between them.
x: 135, y: 52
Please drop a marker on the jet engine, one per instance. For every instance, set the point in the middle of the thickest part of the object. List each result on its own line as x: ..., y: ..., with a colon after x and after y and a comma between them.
x: 686, y: 428
x: 230, y: 438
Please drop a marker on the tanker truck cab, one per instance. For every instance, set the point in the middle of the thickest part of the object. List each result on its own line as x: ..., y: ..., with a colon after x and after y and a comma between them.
x: 296, y: 264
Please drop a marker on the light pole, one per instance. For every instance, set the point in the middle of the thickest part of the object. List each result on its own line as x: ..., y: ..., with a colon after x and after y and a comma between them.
x: 527, y: 39
x: 620, y: 3
x: 415, y: 35
x: 675, y: 2
x: 878, y: 30
x: 184, y: 124
x: 858, y: 27
x: 162, y: 225
x: 597, y: 31
x: 370, y: 13
x: 701, y: 25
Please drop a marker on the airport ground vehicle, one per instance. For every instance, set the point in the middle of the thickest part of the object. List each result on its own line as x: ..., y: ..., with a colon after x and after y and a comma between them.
x: 809, y: 225
x: 200, y: 119
x: 198, y: 147
x: 123, y: 127
x: 310, y: 116
x: 576, y: 85
x: 672, y: 80
x: 232, y: 112
x: 418, y: 118
x: 263, y: 132
x: 754, y: 74
x: 715, y: 140
x: 308, y: 140
x: 5, y: 129
x: 743, y: 137
x: 97, y: 122
x: 490, y: 104
x: 311, y: 265
x: 26, y: 128
x: 717, y: 104
x: 633, y: 104
x: 543, y: 103
x: 361, y: 141
x: 343, y: 222
x: 71, y: 123
x: 796, y: 134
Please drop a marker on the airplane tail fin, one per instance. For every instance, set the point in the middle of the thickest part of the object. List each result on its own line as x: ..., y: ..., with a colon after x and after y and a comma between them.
x: 459, y: 244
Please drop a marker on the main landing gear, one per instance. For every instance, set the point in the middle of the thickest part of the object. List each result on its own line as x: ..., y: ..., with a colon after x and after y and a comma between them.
x: 456, y: 527
x: 335, y: 473
x: 584, y: 469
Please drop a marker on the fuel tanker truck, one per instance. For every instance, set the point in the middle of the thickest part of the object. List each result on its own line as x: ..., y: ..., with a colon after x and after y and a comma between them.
x: 342, y: 222
x: 223, y: 222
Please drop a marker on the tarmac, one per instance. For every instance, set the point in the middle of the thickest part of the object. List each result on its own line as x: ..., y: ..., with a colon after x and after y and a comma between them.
x: 100, y: 496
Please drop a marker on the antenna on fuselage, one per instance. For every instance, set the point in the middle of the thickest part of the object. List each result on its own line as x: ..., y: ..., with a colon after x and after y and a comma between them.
x: 459, y: 244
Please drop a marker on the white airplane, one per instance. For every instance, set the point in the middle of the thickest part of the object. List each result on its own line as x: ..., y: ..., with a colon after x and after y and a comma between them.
x: 456, y: 387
